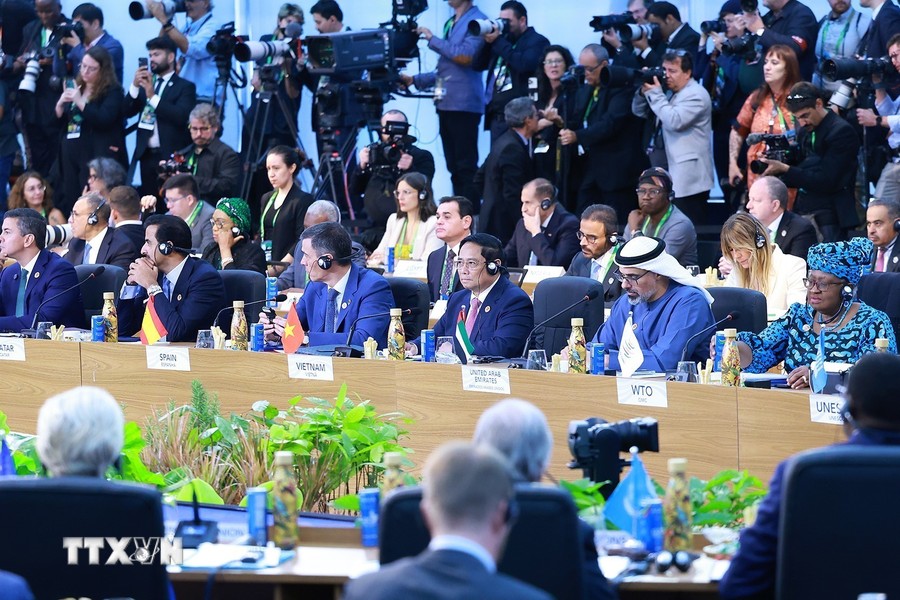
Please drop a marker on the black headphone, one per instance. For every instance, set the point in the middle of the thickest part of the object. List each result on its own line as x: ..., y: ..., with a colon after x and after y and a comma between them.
x: 326, y: 261
x: 512, y: 512
x: 492, y: 268
x: 167, y: 248
x: 615, y: 239
x: 897, y: 225
x: 235, y: 231
x: 423, y: 194
x: 681, y: 559
x: 760, y: 238
x: 546, y: 203
x: 846, y: 293
x: 93, y: 219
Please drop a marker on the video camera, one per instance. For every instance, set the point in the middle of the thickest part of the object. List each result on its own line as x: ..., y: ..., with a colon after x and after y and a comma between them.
x: 224, y: 41
x: 176, y: 163
x: 64, y: 30
x: 779, y: 146
x: 595, y: 446
x: 138, y: 9
x: 386, y: 154
x: 848, y: 68
x: 573, y: 77
x: 615, y: 77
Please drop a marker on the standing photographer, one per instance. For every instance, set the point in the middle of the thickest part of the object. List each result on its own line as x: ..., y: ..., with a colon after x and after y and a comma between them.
x: 788, y: 22
x: 510, y: 58
x: 91, y: 34
x: 381, y: 165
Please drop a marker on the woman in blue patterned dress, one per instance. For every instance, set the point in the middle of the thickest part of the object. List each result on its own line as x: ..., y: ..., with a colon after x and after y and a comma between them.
x: 850, y: 328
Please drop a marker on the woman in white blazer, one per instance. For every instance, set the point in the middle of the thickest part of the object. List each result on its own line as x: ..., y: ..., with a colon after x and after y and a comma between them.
x: 411, y: 230
x: 760, y: 264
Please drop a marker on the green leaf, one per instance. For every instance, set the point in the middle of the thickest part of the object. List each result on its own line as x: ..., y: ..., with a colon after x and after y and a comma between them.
x: 205, y: 493
x: 260, y: 406
x: 348, y: 502
x: 4, y: 427
x: 225, y: 428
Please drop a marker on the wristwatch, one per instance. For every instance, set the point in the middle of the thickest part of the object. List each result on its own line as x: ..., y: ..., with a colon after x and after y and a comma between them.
x: 168, y: 25
x: 154, y: 290
x: 878, y: 120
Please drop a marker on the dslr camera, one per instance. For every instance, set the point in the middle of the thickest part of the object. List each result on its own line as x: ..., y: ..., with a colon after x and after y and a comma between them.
x: 613, y: 76
x: 744, y: 46
x: 482, y: 27
x: 386, y: 154
x: 779, y: 146
x: 176, y: 163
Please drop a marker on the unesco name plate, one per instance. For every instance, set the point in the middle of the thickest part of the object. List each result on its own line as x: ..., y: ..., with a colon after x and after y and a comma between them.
x: 642, y: 392
x: 485, y: 379
x: 825, y: 409
x: 12, y: 349
x: 305, y: 366
x: 168, y: 358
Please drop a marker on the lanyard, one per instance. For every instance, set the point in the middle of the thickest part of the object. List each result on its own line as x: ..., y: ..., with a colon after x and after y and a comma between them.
x: 200, y: 23
x: 776, y: 111
x: 192, y: 163
x: 840, y: 40
x: 262, y: 220
x: 661, y: 222
x: 608, y: 264
x: 448, y: 26
x: 401, y: 241
x: 591, y: 104
x: 194, y: 213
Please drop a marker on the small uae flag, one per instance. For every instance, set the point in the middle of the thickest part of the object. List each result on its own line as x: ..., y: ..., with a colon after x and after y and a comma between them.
x: 293, y: 335
x: 152, y: 328
x: 462, y: 335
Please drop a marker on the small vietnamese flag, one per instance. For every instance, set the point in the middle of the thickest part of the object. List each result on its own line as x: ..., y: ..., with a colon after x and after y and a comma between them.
x: 293, y: 332
x: 152, y: 328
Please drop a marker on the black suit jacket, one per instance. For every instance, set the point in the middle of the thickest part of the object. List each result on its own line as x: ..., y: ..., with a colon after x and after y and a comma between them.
x: 39, y: 110
x: 881, y: 29
x: 581, y: 267
x: 176, y: 102
x: 685, y: 39
x: 502, y: 176
x: 102, y: 131
x: 795, y: 235
x: 438, y: 574
x: 289, y: 225
x: 116, y: 249
x: 893, y: 263
x: 435, y: 269
x: 554, y: 246
x: 134, y: 232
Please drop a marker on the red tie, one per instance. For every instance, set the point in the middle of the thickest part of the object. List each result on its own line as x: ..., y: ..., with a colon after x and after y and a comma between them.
x: 473, y: 312
x: 879, y: 262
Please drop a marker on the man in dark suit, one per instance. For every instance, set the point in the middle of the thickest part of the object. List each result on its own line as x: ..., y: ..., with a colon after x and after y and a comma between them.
x: 216, y: 166
x: 545, y: 235
x: 885, y: 23
x: 164, y: 101
x: 674, y: 35
x: 38, y: 275
x: 882, y: 225
x: 510, y: 59
x: 454, y: 224
x: 507, y: 169
x: 339, y: 293
x: 466, y: 497
x: 767, y: 201
x: 788, y: 22
x: 603, y: 126
x: 599, y: 228
x: 187, y: 292
x: 125, y: 211
x: 94, y: 242
x: 91, y: 18
x: 499, y: 315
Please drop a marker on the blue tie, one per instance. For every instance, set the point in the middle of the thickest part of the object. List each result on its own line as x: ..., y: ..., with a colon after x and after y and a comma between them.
x: 595, y: 270
x: 331, y: 310
x: 20, y: 296
x: 86, y: 257
x: 167, y: 288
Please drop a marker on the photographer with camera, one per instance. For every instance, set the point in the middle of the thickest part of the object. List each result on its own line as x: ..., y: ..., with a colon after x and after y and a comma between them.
x: 381, y: 164
x: 511, y: 54
x: 826, y: 173
x: 164, y: 101
x: 674, y: 35
x: 88, y: 32
x: 214, y: 164
x: 621, y: 49
x: 197, y: 63
x: 788, y: 22
x: 840, y: 34
x: 684, y: 123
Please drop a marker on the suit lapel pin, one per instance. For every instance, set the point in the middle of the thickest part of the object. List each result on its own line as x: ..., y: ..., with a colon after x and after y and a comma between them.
x: 37, y: 274
x: 487, y: 309
x: 783, y: 232
x: 894, y: 260
x: 178, y: 298
x: 344, y: 305
x: 634, y: 326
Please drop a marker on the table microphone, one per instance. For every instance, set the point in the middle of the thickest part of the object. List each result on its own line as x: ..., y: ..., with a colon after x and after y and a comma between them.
x: 348, y: 351
x: 733, y: 315
x: 34, y: 321
x: 276, y: 298
x: 586, y: 298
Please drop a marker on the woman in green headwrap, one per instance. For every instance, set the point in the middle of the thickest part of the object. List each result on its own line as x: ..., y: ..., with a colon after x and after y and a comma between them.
x: 231, y: 248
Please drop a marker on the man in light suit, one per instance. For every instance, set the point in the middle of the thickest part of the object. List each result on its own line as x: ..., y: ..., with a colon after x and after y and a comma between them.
x: 339, y: 293
x: 499, y: 315
x: 187, y: 292
x: 164, y: 102
x: 38, y: 275
x: 598, y: 236
x: 94, y: 242
x: 454, y: 224
x: 545, y: 235
x: 466, y: 498
x: 882, y: 225
x: 685, y: 120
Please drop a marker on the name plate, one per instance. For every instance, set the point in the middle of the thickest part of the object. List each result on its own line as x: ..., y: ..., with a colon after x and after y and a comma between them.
x: 305, y: 366
x: 538, y: 273
x: 417, y: 269
x: 824, y: 408
x: 12, y: 349
x: 168, y: 358
x: 641, y: 392
x: 485, y: 379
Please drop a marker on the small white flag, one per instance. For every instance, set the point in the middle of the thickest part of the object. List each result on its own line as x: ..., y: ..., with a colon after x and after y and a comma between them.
x: 631, y: 357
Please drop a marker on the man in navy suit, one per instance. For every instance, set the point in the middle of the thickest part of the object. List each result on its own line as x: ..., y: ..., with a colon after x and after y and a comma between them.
x: 38, y: 275
x: 91, y: 18
x: 545, y: 235
x: 467, y: 491
x: 599, y: 228
x: 187, y: 292
x: 454, y: 224
x: 499, y: 315
x: 339, y: 293
x: 164, y: 100
x: 94, y: 242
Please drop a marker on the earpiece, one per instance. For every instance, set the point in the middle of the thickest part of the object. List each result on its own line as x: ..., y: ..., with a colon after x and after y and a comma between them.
x: 423, y: 194
x: 897, y: 225
x: 492, y: 268
x: 93, y: 219
x: 615, y: 239
x: 167, y: 248
x: 235, y: 231
x: 325, y: 262
x: 546, y: 203
x: 760, y: 238
x: 847, y: 414
x: 846, y: 293
x: 512, y: 512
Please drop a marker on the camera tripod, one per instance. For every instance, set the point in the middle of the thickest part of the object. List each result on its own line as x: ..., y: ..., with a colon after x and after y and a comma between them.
x: 332, y: 164
x: 228, y: 78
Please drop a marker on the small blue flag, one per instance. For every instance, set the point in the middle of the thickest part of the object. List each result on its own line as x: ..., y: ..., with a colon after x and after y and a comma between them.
x: 817, y: 376
x: 635, y: 490
x: 7, y: 464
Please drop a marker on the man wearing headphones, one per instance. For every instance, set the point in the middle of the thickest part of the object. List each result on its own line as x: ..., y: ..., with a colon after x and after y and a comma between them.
x: 873, y: 416
x: 187, y: 292
x: 546, y: 233
x: 498, y: 314
x: 599, y: 237
x: 658, y: 217
x: 94, y: 242
x: 339, y: 294
x: 882, y: 226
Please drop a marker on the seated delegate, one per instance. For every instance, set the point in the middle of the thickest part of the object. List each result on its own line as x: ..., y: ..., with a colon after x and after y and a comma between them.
x: 232, y: 247
x: 847, y: 329
x: 411, y: 230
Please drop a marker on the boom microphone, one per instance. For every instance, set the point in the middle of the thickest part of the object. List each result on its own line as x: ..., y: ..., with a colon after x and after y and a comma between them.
x: 277, y: 298
x: 34, y: 321
x: 729, y: 317
x: 349, y: 351
x: 586, y: 298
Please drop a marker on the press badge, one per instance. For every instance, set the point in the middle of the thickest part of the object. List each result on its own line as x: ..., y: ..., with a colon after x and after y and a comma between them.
x: 73, y: 130
x: 148, y: 119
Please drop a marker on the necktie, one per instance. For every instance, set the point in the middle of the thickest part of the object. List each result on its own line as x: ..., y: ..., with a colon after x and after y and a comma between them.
x: 447, y: 275
x: 158, y: 86
x: 331, y: 310
x: 86, y: 257
x: 472, y: 314
x: 20, y: 297
x: 595, y: 270
x: 167, y: 288
x: 879, y: 262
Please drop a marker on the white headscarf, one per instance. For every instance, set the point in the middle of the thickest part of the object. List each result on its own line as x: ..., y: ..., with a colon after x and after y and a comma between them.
x: 649, y: 253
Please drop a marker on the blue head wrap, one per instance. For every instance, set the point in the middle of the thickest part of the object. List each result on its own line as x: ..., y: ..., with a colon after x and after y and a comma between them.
x: 842, y: 259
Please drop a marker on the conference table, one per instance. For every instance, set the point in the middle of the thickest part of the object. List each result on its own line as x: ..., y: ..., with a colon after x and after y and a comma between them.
x: 713, y: 427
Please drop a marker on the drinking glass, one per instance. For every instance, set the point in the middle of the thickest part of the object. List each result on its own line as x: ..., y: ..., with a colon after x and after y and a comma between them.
x: 537, y: 360
x: 445, y: 351
x: 42, y: 332
x: 687, y: 371
x: 205, y: 339
x: 694, y: 270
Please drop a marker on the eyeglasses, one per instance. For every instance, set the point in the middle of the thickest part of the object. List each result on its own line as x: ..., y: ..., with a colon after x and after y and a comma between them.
x: 217, y: 223
x: 89, y: 69
x: 822, y: 286
x: 398, y: 193
x: 649, y: 192
x: 470, y: 264
x: 632, y: 279
x: 591, y: 69
x: 199, y: 129
x: 174, y: 200
x: 554, y: 62
x: 591, y: 239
